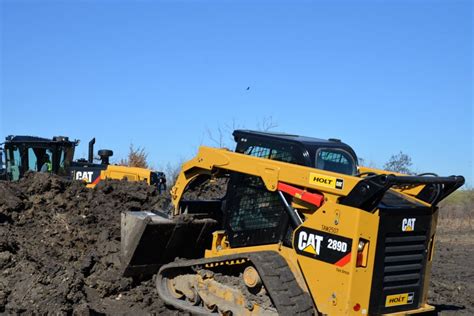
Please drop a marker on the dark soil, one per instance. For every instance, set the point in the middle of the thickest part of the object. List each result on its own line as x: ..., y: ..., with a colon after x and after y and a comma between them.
x: 60, y: 246
x: 452, y: 281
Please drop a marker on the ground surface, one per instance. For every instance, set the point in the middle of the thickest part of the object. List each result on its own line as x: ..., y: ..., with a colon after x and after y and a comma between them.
x: 452, y: 282
x: 60, y: 244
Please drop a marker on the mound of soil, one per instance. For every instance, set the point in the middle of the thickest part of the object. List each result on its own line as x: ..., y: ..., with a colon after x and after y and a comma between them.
x: 60, y: 246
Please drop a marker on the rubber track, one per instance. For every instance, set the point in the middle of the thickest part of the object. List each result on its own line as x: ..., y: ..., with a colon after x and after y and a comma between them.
x: 279, y: 281
x: 281, y: 284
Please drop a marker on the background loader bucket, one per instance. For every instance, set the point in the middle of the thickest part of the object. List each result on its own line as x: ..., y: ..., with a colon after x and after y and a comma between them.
x: 150, y: 240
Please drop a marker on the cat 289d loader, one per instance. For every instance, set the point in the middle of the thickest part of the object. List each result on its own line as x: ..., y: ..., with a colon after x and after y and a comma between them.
x: 301, y: 230
x: 56, y: 155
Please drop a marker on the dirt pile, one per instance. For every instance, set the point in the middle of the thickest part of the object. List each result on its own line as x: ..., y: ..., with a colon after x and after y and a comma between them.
x: 60, y: 245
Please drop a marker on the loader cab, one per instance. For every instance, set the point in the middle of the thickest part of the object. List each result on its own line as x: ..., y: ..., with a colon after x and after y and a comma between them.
x: 28, y: 153
x: 331, y: 155
x: 255, y: 216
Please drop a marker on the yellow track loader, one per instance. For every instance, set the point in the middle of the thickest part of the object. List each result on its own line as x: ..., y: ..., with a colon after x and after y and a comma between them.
x: 301, y: 229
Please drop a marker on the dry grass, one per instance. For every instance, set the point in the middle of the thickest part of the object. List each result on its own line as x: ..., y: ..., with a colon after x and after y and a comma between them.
x: 459, y: 205
x: 456, y: 212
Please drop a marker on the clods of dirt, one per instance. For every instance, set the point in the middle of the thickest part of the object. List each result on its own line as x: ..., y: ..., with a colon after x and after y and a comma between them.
x: 452, y: 287
x: 60, y: 247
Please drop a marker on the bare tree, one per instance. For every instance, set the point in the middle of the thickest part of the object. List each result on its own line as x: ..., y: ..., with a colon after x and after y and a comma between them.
x: 172, y: 171
x: 216, y: 137
x: 266, y: 124
x: 367, y: 163
x: 137, y: 157
x: 222, y: 135
x: 400, y: 163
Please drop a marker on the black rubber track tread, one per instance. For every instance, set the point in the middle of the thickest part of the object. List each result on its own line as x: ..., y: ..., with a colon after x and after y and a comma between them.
x: 286, y: 294
x: 279, y: 281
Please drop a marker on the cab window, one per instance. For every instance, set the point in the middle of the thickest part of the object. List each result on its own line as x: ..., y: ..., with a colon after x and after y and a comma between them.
x: 335, y: 160
x: 281, y: 154
x: 32, y: 160
x: 13, y: 162
x: 62, y: 161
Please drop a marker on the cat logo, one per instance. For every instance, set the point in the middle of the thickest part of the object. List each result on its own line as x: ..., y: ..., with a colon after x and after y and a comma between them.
x: 399, y: 299
x: 408, y: 224
x: 309, y: 242
x: 84, y: 176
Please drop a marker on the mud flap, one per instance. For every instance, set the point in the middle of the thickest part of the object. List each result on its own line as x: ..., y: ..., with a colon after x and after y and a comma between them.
x: 151, y: 239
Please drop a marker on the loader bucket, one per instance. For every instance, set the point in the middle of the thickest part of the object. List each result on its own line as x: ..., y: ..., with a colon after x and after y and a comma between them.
x: 151, y: 239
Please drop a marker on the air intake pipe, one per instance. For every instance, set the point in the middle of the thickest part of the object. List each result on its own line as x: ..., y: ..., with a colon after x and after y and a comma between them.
x: 91, y: 150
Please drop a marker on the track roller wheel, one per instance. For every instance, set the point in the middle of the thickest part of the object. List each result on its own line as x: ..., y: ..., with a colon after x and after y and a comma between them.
x: 252, y: 280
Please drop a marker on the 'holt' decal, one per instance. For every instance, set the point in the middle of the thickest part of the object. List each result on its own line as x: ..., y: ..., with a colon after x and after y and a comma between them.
x: 326, y: 181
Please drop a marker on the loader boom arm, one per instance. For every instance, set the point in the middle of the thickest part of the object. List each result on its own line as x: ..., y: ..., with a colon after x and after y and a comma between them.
x: 350, y: 190
x: 212, y: 160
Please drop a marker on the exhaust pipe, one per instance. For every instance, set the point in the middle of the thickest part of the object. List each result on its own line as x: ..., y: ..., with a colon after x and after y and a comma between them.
x: 91, y: 150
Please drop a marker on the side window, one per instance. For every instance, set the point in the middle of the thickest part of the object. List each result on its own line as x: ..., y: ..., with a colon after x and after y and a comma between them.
x: 61, y: 158
x: 271, y: 153
x: 258, y: 151
x: 16, y: 157
x: 13, y: 162
x: 32, y: 160
x: 335, y: 160
x: 68, y: 154
x: 62, y: 166
x: 45, y: 160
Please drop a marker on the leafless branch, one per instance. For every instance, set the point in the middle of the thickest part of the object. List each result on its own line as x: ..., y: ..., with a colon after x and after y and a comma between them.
x: 266, y: 124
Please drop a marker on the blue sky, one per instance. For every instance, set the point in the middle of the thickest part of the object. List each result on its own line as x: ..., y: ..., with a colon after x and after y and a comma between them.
x: 383, y: 76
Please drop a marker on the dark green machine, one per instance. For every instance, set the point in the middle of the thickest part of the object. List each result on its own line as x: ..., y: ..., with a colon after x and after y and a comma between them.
x: 56, y: 155
x: 30, y: 153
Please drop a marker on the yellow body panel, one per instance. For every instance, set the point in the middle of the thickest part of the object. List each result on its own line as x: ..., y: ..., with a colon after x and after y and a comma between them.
x: 123, y: 173
x: 349, y: 285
